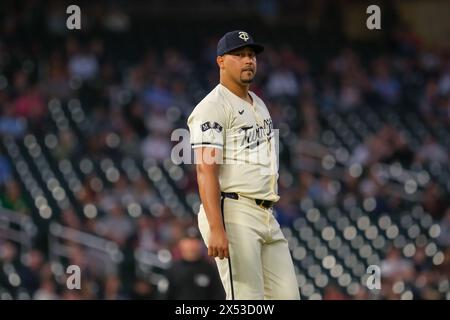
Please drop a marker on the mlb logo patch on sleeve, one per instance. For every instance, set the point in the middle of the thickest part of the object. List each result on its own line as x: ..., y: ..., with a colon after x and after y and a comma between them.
x: 217, y: 127
x: 207, y: 125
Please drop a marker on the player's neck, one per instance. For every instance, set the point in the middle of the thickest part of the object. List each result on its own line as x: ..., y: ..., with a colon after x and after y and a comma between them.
x: 240, y: 90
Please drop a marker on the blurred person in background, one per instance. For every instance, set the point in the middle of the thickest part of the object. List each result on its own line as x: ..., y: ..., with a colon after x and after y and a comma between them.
x: 193, y: 276
x: 11, y: 197
x: 395, y: 266
x: 444, y: 237
x: 113, y: 289
x: 34, y: 262
x: 5, y: 170
x: 116, y: 225
x: 143, y: 290
x: 47, y: 291
x: 332, y: 292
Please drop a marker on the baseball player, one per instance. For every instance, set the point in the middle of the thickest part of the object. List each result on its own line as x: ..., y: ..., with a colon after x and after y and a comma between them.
x: 232, y: 136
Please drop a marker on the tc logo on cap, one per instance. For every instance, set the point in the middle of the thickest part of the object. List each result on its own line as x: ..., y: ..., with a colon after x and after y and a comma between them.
x: 244, y: 35
x: 237, y: 39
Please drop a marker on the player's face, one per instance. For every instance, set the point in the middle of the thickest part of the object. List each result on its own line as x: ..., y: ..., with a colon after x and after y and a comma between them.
x: 240, y: 65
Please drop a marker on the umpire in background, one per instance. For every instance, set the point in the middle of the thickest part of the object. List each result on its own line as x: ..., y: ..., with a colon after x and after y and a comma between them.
x: 193, y: 277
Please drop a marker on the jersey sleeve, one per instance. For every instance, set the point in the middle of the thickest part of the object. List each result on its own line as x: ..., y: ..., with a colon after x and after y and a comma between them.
x: 207, y: 125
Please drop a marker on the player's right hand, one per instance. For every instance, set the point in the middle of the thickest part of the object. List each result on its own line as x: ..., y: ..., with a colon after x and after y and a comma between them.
x: 218, y: 244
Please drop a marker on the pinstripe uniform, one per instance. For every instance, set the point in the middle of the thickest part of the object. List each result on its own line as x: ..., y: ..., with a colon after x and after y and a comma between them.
x: 260, y: 265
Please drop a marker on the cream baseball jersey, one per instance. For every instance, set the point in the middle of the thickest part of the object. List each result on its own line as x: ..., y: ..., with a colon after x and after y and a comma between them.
x: 245, y: 134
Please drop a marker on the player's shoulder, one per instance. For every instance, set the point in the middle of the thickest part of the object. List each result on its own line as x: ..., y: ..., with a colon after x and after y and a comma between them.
x: 213, y: 97
x: 213, y: 101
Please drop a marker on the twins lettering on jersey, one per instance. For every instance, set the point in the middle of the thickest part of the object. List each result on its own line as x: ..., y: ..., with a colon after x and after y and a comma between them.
x: 254, y: 137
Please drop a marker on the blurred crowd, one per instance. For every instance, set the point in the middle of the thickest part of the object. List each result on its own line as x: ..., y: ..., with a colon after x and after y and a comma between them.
x: 134, y: 103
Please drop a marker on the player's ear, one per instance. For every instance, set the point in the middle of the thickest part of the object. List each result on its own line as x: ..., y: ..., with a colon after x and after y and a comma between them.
x: 219, y: 61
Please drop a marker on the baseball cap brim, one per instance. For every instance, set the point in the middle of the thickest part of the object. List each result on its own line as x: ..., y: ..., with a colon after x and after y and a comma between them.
x: 258, y: 48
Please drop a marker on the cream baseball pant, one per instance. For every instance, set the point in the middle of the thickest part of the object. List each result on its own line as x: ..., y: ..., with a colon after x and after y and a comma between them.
x: 260, y: 265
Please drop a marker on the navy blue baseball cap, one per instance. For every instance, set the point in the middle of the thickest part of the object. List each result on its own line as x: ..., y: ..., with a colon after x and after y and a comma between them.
x: 237, y: 39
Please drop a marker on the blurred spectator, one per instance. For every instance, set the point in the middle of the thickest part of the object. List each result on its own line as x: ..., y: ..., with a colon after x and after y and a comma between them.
x: 5, y: 170
x: 12, y: 197
x: 142, y: 290
x: 156, y: 146
x: 83, y: 64
x: 444, y: 237
x: 70, y: 219
x: 384, y: 84
x: 428, y: 104
x: 431, y: 151
x: 116, y: 20
x: 286, y: 210
x: 11, y: 124
x: 321, y: 192
x: 30, y: 104
x: 170, y: 228
x: 112, y: 289
x: 46, y: 291
x: 193, y: 277
x: 434, y: 201
x: 56, y: 81
x: 396, y: 150
x: 282, y: 82
x: 130, y: 144
x: 394, y: 266
x: 349, y: 94
x: 66, y: 146
x: 146, y: 235
x: 143, y: 192
x: 34, y: 263
x: 71, y: 295
x: 115, y: 225
x: 333, y: 293
x: 157, y: 95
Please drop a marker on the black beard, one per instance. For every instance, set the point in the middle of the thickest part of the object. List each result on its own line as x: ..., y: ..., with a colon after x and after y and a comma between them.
x: 247, y: 81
